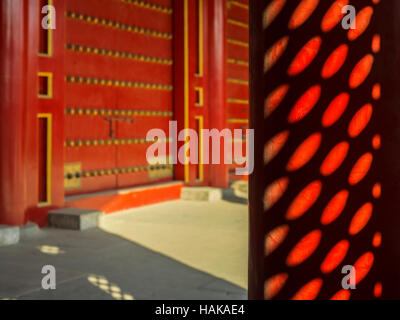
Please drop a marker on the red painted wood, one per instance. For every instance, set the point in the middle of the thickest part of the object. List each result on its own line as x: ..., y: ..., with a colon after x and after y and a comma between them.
x: 237, y: 14
x: 179, y: 78
x: 19, y: 163
x: 217, y: 83
x: 194, y: 80
x: 89, y: 96
x: 13, y: 109
x: 110, y: 203
x: 53, y: 106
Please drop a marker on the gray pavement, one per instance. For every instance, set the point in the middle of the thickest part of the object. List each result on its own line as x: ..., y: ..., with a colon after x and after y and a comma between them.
x: 173, y: 250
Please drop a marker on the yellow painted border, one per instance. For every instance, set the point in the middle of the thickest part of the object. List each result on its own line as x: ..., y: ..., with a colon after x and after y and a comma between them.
x: 239, y: 62
x: 238, y: 42
x: 49, y: 76
x: 199, y: 72
x: 238, y: 81
x: 201, y: 96
x: 201, y: 168
x: 238, y: 23
x: 239, y: 4
x: 49, y: 117
x: 238, y: 120
x: 186, y: 84
x: 237, y: 101
x: 49, y: 36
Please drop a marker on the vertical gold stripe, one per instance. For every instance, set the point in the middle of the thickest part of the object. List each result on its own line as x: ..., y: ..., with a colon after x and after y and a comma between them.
x: 49, y: 34
x: 49, y: 76
x: 200, y: 26
x: 201, y: 96
x: 186, y: 85
x: 48, y: 116
x: 201, y: 170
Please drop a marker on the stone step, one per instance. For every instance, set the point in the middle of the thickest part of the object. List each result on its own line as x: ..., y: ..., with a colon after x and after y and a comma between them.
x: 74, y: 218
x: 8, y: 235
x: 240, y: 189
x: 201, y: 194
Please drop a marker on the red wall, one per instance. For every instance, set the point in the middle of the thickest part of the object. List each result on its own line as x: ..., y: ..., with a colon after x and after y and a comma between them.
x: 100, y: 69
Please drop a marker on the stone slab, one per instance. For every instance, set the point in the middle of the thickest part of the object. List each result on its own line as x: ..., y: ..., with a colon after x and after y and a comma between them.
x: 201, y: 194
x: 74, y: 218
x: 8, y: 235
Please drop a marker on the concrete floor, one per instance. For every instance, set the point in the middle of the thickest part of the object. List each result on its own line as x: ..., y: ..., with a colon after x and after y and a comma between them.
x: 173, y: 250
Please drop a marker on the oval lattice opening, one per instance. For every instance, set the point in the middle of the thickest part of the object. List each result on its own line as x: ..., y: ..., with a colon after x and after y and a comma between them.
x: 360, y: 219
x: 305, y: 104
x: 304, y: 200
x: 275, y: 237
x: 335, y: 256
x: 360, y: 169
x: 274, y: 192
x: 304, y: 248
x: 360, y: 120
x: 303, y: 11
x: 309, y: 291
x: 376, y: 91
x: 304, y: 152
x: 363, y: 265
x: 335, y: 61
x: 274, y: 145
x: 274, y: 284
x: 363, y: 19
x: 377, y: 239
x: 376, y: 142
x: 376, y: 43
x: 335, y: 109
x: 378, y: 290
x: 334, y: 159
x: 274, y: 99
x: 335, y: 207
x: 333, y: 16
x: 272, y: 11
x: 305, y: 56
x: 377, y: 190
x: 341, y: 295
x: 361, y: 71
x: 274, y: 53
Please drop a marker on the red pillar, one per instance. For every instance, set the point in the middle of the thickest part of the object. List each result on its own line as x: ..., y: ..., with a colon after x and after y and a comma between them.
x: 217, y: 83
x: 12, y: 112
x: 181, y: 74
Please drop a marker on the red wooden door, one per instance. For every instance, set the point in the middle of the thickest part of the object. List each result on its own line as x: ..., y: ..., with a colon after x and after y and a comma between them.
x: 118, y: 86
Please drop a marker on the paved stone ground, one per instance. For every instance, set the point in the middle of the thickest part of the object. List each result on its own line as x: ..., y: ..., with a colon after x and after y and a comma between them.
x: 174, y: 250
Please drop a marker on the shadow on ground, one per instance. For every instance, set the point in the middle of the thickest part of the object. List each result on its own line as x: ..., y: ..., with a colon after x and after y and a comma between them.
x: 95, y: 264
x: 236, y: 193
x: 230, y: 195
